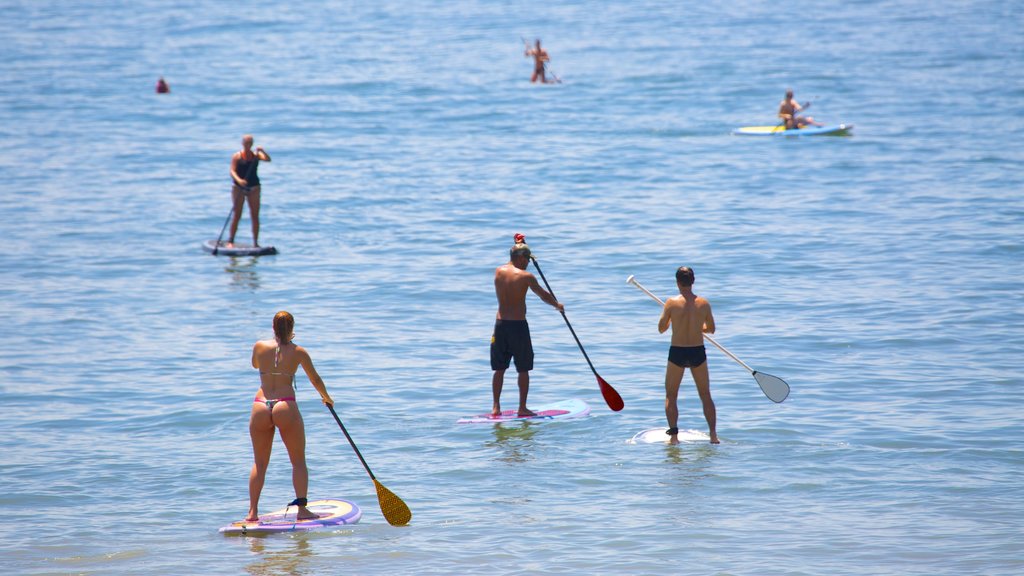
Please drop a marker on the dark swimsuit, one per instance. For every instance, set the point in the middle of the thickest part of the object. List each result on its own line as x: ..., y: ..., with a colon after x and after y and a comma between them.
x: 251, y: 179
x: 687, y: 356
x: 511, y: 340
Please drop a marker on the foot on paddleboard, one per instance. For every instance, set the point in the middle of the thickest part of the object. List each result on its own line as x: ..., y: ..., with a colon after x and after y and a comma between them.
x: 305, y: 514
x: 526, y: 412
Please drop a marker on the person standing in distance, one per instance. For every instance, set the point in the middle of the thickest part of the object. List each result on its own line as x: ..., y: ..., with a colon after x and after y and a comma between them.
x: 275, y: 410
x: 540, y: 60
x: 690, y: 317
x: 511, y: 337
x: 246, y: 185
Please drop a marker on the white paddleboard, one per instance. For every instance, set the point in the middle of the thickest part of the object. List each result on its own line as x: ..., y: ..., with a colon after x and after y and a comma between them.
x: 333, y: 513
x: 552, y: 411
x: 658, y: 436
x: 238, y: 249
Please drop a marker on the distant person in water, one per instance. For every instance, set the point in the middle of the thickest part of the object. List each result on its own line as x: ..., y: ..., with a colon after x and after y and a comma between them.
x: 246, y: 185
x: 162, y: 87
x: 275, y: 409
x: 690, y: 317
x: 511, y: 337
x: 540, y: 60
x: 789, y: 112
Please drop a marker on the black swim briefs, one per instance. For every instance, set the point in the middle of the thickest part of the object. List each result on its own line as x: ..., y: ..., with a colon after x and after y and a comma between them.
x: 687, y: 356
x: 511, y: 340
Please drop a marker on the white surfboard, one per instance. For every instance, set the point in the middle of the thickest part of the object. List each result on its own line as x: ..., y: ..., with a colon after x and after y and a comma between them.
x: 658, y: 436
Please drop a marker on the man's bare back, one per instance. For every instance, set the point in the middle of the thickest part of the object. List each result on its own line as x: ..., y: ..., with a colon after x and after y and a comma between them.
x: 510, y: 286
x: 690, y: 316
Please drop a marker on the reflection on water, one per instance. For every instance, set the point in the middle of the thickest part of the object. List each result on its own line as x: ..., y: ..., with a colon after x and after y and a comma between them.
x: 243, y: 271
x: 516, y: 442
x: 690, y: 462
x: 292, y: 557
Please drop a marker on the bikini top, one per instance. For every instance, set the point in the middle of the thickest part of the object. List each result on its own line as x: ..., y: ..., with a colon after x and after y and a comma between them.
x: 277, y: 355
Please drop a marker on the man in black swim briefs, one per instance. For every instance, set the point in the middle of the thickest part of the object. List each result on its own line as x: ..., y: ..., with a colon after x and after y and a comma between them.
x: 690, y: 317
x: 511, y: 338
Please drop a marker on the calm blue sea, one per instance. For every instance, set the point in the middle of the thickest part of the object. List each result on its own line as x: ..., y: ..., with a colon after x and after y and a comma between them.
x: 879, y: 274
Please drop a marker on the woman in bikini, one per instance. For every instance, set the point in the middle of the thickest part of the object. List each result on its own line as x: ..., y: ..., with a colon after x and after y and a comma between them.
x: 275, y: 408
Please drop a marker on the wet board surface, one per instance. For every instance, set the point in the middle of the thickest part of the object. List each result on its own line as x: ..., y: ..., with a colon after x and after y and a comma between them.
x: 833, y: 130
x: 238, y: 249
x: 333, y: 513
x: 658, y: 436
x: 565, y: 409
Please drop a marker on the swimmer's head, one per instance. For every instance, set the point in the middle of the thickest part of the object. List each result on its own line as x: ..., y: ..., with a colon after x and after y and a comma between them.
x: 284, y: 326
x: 519, y: 248
x: 684, y: 276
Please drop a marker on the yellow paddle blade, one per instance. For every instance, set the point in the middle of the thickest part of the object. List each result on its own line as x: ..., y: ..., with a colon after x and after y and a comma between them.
x: 395, y: 511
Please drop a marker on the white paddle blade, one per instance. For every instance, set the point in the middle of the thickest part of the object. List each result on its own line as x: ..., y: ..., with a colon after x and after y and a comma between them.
x: 774, y: 388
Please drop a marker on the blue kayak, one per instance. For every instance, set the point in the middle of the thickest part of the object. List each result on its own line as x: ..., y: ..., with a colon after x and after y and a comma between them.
x: 833, y: 130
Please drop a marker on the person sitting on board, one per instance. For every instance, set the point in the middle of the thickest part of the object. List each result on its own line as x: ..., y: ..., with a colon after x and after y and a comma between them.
x: 789, y: 110
x: 690, y: 316
x: 275, y: 409
x: 540, y: 59
x: 511, y: 337
x: 162, y: 87
x: 246, y: 185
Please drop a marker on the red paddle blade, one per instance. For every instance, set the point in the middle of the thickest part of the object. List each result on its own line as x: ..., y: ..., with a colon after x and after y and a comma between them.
x: 610, y: 395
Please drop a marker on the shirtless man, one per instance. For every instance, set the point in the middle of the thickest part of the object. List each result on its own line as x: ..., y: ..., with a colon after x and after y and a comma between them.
x: 540, y: 58
x: 246, y: 185
x: 789, y: 110
x: 511, y: 338
x: 690, y: 316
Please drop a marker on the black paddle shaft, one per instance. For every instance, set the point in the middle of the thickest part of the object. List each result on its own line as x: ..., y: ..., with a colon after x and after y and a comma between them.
x: 350, y: 441
x: 566, y: 318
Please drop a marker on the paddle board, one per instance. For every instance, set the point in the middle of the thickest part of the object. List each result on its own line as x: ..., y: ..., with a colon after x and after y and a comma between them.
x: 833, y: 130
x: 238, y: 249
x: 658, y: 436
x: 552, y: 411
x: 332, y: 513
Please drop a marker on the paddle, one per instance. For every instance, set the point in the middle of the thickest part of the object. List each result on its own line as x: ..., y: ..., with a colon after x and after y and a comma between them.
x: 610, y: 395
x: 394, y: 509
x: 774, y: 388
x: 222, y: 229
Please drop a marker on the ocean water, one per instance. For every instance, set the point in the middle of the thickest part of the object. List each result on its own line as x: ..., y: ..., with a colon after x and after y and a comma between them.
x: 879, y: 274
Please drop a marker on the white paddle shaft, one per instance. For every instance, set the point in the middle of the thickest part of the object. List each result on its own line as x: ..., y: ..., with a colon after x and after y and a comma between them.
x: 633, y: 281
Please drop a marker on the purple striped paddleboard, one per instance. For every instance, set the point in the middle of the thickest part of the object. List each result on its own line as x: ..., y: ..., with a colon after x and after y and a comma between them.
x: 552, y: 411
x: 333, y: 513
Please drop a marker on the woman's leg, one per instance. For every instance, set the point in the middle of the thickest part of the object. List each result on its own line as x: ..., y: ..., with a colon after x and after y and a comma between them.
x: 261, y: 431
x: 254, y: 213
x: 293, y: 432
x: 237, y: 199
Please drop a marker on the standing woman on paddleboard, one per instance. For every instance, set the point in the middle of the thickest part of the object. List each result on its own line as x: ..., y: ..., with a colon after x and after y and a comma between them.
x: 246, y: 184
x: 275, y: 408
